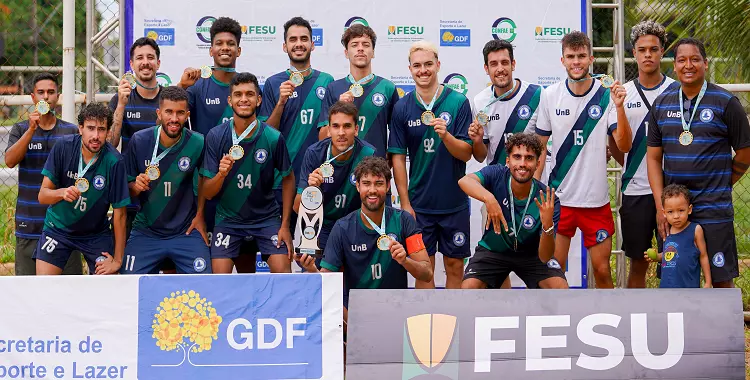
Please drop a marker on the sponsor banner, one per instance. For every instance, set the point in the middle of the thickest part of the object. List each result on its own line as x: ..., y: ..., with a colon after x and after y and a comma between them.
x: 160, y: 327
x: 546, y: 334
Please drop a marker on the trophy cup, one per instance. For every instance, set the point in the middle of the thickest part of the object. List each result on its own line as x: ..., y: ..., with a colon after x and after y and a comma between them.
x: 310, y: 221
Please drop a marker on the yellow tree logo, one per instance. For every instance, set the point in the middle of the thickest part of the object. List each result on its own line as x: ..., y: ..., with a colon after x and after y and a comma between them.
x: 185, y: 321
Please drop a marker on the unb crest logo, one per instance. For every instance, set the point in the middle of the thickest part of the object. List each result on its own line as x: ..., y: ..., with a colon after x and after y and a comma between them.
x: 185, y: 322
x: 430, y: 347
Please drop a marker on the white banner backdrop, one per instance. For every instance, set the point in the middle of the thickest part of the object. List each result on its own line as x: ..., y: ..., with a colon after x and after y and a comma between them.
x: 535, y: 28
x: 257, y: 326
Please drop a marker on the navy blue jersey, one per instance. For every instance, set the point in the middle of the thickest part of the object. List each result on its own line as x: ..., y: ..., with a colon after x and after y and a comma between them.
x: 29, y: 212
x: 246, y: 198
x: 495, y: 178
x: 169, y: 206
x: 340, y: 194
x: 209, y: 104
x: 680, y: 263
x: 352, y: 248
x: 140, y: 113
x: 432, y: 166
x: 704, y: 166
x: 107, y: 186
x: 299, y: 119
x: 375, y: 109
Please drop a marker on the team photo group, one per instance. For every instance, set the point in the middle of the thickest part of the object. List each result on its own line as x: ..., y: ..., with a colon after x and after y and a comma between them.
x: 199, y: 176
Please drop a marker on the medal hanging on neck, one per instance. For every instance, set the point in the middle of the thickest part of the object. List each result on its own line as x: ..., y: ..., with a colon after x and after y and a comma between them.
x: 81, y: 183
x: 516, y: 229
x: 428, y: 115
x: 356, y: 87
x: 482, y: 117
x: 152, y: 170
x: 326, y: 169
x: 236, y: 152
x: 686, y: 137
x: 384, y: 241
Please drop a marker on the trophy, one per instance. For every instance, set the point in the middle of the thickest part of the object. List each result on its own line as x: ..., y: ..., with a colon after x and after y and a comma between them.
x: 310, y: 221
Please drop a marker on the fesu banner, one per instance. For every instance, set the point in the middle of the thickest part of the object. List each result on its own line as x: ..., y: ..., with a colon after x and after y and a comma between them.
x: 160, y: 327
x: 546, y: 334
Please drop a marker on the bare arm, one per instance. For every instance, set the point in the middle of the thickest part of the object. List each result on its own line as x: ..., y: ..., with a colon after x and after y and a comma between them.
x: 700, y: 242
x: 402, y: 182
x: 740, y: 163
x: 616, y: 154
x: 287, y: 195
x: 623, y: 135
x: 458, y: 148
x: 654, y: 157
x: 323, y: 133
x: 49, y: 194
x: 212, y: 186
x: 419, y: 266
x: 118, y: 221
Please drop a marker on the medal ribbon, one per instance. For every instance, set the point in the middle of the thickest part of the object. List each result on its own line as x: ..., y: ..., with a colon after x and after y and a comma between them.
x: 292, y: 70
x: 236, y: 139
x: 686, y: 126
x: 225, y: 69
x: 144, y: 86
x: 328, y: 155
x: 593, y: 76
x: 81, y: 170
x: 379, y: 229
x: 513, y: 209
x: 154, y: 158
x: 363, y: 80
x: 432, y: 102
x: 499, y: 98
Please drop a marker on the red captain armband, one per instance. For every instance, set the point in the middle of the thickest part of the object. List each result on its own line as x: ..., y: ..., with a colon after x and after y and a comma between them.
x: 414, y: 244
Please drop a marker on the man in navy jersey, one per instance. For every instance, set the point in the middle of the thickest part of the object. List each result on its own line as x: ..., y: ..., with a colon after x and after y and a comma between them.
x: 373, y: 95
x: 377, y: 245
x: 29, y: 145
x: 239, y: 164
x: 526, y: 245
x: 344, y: 151
x: 431, y: 124
x: 693, y: 130
x: 161, y: 164
x: 292, y: 98
x: 84, y: 176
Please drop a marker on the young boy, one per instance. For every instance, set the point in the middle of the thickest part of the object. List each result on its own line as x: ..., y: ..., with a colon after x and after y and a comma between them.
x: 685, y: 246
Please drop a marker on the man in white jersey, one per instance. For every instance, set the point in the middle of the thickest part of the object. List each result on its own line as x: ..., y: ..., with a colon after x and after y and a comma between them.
x: 638, y: 210
x: 575, y: 114
x: 505, y: 107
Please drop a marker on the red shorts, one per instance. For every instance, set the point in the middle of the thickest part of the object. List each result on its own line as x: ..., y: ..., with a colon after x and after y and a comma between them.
x: 595, y: 223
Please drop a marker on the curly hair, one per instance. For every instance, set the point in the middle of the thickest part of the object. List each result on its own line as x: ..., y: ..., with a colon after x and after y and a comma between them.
x: 226, y: 25
x: 372, y: 165
x: 648, y: 28
x: 358, y: 30
x: 675, y: 190
x: 528, y: 140
x: 95, y: 111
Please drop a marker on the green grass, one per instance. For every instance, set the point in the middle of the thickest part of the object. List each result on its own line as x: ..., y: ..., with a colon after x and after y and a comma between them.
x: 8, y: 197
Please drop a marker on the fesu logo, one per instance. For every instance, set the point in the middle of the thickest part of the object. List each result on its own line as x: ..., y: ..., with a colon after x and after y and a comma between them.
x: 258, y: 29
x: 399, y: 29
x: 203, y: 28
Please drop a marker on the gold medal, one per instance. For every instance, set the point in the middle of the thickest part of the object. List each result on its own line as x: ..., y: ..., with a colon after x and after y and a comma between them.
x: 427, y: 117
x: 384, y: 243
x: 206, y: 72
x: 82, y: 184
x: 42, y: 107
x: 131, y: 79
x: 153, y: 173
x: 297, y: 78
x: 236, y: 152
x: 326, y: 170
x: 607, y: 81
x: 357, y: 90
x: 686, y: 138
x: 483, y: 119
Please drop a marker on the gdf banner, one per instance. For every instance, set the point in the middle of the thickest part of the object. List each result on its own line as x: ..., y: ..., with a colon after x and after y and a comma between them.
x: 257, y: 326
x: 546, y: 334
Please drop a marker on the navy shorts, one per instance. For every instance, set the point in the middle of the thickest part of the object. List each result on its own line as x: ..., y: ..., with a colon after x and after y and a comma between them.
x: 447, y: 233
x: 144, y: 254
x: 227, y: 240
x: 54, y: 248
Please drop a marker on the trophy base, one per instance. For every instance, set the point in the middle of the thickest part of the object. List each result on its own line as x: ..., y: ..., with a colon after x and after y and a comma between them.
x: 316, y: 253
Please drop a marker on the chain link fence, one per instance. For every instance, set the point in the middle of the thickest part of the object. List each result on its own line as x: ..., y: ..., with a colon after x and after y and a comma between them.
x: 31, y: 40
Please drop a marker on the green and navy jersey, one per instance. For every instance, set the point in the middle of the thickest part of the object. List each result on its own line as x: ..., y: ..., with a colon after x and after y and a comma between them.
x: 340, y: 191
x: 209, y: 104
x: 299, y: 119
x: 375, y: 109
x: 352, y: 248
x: 140, y: 113
x: 720, y: 125
x: 578, y: 126
x: 29, y: 212
x: 246, y: 198
x: 432, y: 166
x: 495, y: 179
x: 515, y: 114
x: 108, y: 185
x: 169, y: 206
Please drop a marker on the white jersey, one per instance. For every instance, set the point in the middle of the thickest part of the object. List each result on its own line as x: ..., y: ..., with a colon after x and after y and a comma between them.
x: 508, y: 116
x: 635, y: 174
x: 578, y: 126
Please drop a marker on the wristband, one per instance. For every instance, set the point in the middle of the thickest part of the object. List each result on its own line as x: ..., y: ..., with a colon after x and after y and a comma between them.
x: 549, y: 230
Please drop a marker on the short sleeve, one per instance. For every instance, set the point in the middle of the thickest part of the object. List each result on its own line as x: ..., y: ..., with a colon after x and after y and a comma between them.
x: 269, y: 101
x: 119, y: 196
x: 397, y: 137
x: 281, y: 161
x: 131, y: 161
x: 409, y: 225
x: 211, y: 154
x: 113, y: 102
x: 192, y: 94
x: 611, y: 118
x: 54, y: 159
x: 543, y: 123
x: 333, y: 256
x: 308, y: 165
x: 531, y: 126
x: 325, y: 104
x: 462, y: 122
x: 487, y: 175
x: 737, y: 124
x: 391, y: 104
x: 15, y: 134
x: 654, y: 132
